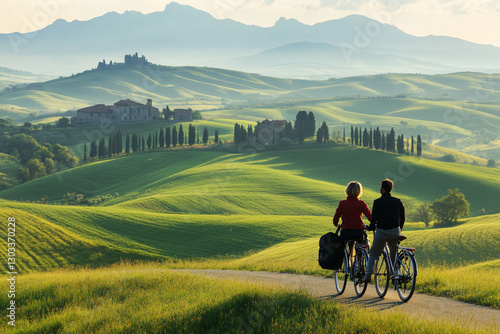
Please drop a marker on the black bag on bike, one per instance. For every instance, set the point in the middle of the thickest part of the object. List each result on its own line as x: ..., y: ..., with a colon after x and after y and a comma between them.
x: 331, y: 251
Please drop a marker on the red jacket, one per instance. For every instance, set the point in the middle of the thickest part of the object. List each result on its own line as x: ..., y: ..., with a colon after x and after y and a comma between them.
x: 351, y: 210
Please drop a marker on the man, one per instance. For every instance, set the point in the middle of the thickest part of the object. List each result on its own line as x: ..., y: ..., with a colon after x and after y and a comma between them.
x: 388, y: 218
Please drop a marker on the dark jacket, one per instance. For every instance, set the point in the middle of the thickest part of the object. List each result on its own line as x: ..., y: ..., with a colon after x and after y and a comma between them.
x: 388, y: 212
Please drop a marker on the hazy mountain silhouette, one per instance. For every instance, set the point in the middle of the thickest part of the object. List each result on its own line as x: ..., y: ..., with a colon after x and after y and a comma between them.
x: 182, y: 35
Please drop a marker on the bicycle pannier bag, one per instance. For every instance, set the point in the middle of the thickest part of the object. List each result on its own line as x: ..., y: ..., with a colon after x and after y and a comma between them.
x: 331, y: 251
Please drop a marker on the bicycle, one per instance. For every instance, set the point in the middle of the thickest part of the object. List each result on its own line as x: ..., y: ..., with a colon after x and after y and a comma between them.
x: 403, y: 273
x: 357, y: 270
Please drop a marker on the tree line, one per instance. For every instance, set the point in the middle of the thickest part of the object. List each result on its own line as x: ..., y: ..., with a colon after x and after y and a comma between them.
x: 374, y: 138
x: 165, y: 138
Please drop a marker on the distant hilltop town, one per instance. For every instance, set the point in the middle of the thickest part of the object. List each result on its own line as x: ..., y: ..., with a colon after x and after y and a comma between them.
x: 130, y: 60
x: 125, y: 111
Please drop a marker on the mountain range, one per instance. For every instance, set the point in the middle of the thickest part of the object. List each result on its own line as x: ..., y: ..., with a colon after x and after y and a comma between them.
x: 183, y: 35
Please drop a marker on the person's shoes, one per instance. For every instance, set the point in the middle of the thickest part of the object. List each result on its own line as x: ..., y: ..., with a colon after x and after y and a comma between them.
x: 367, y: 279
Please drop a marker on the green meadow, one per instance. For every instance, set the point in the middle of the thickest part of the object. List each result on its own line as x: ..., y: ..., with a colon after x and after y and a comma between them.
x: 259, y: 211
x: 132, y: 299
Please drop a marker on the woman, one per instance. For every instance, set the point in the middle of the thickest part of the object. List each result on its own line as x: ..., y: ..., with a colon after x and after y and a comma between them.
x: 351, y: 210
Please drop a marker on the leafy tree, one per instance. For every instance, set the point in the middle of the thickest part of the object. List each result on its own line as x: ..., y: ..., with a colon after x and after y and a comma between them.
x: 49, y: 166
x: 423, y: 214
x: 197, y: 114
x: 205, y: 136
x: 63, y: 122
x: 491, y: 163
x: 451, y: 207
x: 174, y: 136
x: 33, y: 169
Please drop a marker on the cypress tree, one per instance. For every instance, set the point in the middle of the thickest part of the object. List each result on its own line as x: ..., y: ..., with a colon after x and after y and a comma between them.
x: 356, y: 136
x: 382, y: 142
x: 205, y: 135
x: 127, y: 144
x: 143, y: 144
x: 343, y: 138
x: 326, y: 132
x: 174, y: 136
x: 236, y: 134
x: 319, y: 135
x: 85, y: 152
x: 391, y: 141
x: 412, y: 146
x: 149, y: 141
x: 93, y: 149
x: 216, y: 139
x: 365, y: 138
x: 162, y: 138
x: 371, y: 139
x: 310, y: 125
x: 419, y: 146
x: 110, y: 146
x: 192, y: 135
x: 181, y: 135
x: 243, y: 134
x: 168, y: 138
x: 352, y: 135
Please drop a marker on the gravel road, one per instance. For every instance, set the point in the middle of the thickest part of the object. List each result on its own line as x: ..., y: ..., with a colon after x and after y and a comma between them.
x: 420, y: 305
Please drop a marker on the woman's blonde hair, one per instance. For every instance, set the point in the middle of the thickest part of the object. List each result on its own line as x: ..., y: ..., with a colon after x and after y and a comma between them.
x: 354, y: 189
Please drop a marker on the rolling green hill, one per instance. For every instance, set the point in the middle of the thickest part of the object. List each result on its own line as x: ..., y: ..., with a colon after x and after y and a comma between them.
x: 259, y: 211
x: 246, y: 202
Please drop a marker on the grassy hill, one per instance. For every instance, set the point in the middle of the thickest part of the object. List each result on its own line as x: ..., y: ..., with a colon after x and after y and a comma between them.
x: 129, y: 299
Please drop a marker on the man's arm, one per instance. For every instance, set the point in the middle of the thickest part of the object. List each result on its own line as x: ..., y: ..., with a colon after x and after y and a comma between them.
x: 402, y: 217
x: 373, y: 221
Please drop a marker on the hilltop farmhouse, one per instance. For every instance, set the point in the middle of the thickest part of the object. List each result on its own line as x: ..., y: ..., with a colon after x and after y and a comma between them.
x: 122, y: 111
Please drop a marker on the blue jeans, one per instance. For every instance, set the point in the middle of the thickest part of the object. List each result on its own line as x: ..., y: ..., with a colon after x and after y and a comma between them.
x: 381, y: 238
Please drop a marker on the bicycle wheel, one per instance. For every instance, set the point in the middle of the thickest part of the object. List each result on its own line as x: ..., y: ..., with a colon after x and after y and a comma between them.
x: 342, y: 275
x: 359, y: 272
x: 382, y: 275
x: 407, y: 276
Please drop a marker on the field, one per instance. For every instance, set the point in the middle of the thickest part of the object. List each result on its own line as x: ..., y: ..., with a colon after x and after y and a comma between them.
x: 259, y: 210
x: 131, y: 299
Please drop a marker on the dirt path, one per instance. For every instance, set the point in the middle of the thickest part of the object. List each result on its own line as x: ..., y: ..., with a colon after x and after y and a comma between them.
x: 420, y: 305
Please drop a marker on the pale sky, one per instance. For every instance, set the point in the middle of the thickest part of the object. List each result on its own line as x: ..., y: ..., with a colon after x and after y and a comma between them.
x: 473, y: 20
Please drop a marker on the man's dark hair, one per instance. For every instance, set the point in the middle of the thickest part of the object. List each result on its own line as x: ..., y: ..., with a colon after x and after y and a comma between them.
x: 387, y: 185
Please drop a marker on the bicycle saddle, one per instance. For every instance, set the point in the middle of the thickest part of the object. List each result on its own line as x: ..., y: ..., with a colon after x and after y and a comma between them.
x: 401, y: 237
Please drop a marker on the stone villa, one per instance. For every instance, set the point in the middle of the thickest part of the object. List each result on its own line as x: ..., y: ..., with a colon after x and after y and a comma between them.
x: 122, y: 111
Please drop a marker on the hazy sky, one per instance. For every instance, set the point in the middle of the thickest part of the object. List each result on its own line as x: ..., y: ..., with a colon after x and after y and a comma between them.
x: 473, y: 20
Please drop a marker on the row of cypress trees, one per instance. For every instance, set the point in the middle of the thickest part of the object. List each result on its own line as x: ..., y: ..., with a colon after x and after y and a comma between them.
x: 380, y: 141
x: 137, y: 142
